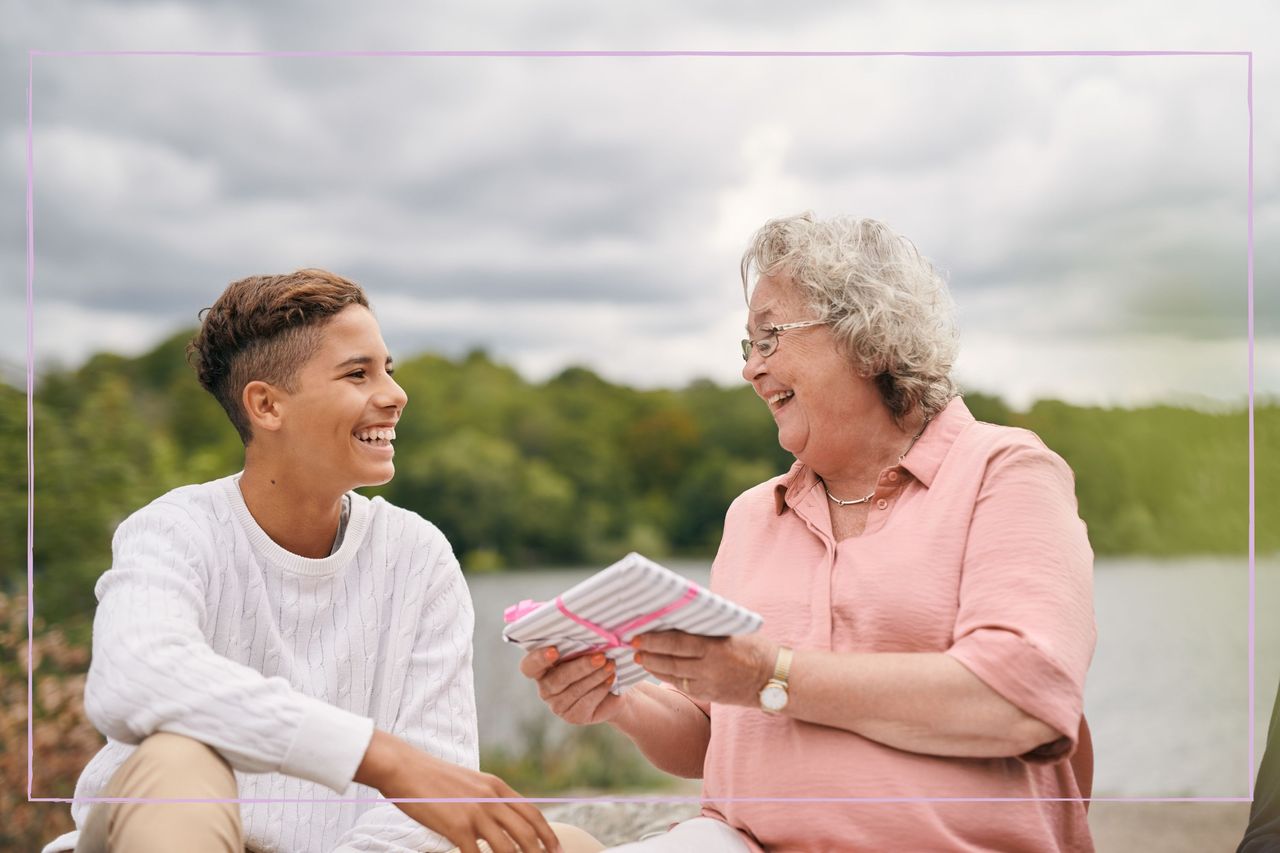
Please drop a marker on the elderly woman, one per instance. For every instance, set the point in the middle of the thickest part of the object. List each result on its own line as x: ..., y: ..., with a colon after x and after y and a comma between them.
x: 925, y: 582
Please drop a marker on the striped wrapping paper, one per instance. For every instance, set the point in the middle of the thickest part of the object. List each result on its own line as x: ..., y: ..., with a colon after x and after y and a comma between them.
x: 625, y: 593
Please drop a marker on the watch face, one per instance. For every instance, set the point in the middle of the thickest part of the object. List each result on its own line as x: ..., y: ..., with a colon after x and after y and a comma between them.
x: 773, y: 697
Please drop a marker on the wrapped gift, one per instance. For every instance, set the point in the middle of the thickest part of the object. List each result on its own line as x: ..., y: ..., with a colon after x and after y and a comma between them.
x: 632, y: 597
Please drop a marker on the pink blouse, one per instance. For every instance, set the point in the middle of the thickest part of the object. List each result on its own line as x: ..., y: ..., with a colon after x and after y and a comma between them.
x: 973, y: 547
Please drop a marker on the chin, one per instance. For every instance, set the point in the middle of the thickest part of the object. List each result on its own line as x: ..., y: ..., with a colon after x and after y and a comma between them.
x: 380, y: 478
x: 361, y: 476
x: 791, y: 443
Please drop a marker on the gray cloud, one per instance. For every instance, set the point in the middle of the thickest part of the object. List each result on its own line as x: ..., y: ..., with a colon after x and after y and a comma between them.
x: 1082, y: 199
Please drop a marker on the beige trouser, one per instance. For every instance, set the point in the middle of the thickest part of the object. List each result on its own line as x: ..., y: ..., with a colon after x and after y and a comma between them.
x: 167, y: 766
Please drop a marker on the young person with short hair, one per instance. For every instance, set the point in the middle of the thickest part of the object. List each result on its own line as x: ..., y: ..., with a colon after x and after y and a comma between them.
x: 274, y: 636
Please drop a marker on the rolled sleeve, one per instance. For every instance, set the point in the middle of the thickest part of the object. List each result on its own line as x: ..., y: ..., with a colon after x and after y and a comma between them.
x: 1025, y: 624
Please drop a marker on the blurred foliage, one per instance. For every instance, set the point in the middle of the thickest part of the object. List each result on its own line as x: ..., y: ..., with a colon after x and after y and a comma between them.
x: 574, y: 470
x: 587, y: 759
x: 63, y: 738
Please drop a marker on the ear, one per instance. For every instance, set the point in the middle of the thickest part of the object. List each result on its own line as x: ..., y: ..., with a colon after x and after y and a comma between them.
x: 263, y: 403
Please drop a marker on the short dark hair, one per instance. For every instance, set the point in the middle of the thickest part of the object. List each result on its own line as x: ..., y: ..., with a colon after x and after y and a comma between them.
x: 265, y: 327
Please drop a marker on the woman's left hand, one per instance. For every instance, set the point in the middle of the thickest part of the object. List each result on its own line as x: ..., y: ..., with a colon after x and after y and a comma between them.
x: 729, y: 670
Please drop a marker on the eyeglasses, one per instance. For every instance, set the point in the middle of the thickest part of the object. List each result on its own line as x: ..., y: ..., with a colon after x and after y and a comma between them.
x: 768, y: 345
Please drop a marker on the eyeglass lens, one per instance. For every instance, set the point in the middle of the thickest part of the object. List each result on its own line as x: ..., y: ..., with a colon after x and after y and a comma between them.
x: 765, y: 345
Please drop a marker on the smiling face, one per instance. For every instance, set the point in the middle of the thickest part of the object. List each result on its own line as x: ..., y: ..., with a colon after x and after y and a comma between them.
x: 813, y: 391
x: 338, y: 425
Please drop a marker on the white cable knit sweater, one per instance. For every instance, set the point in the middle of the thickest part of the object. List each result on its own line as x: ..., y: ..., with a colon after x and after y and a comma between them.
x: 206, y: 627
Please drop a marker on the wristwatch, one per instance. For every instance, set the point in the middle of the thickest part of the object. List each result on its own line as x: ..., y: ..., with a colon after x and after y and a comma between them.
x: 773, y: 696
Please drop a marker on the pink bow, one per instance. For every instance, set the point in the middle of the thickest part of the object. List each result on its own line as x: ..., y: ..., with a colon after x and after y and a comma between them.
x: 518, y: 611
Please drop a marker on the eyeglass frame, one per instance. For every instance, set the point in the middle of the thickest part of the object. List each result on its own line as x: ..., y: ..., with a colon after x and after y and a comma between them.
x: 748, y: 345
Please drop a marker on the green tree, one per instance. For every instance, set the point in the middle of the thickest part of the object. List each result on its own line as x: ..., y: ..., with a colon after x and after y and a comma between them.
x: 574, y: 469
x: 13, y: 488
x: 94, y: 466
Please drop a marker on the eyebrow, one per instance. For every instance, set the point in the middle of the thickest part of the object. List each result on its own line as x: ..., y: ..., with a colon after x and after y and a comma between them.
x: 361, y: 360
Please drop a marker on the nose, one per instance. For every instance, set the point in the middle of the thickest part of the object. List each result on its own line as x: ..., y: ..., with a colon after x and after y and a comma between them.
x: 391, y: 395
x: 754, y: 367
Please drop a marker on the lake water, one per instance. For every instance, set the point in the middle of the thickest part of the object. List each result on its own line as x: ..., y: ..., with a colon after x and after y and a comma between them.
x: 1166, y: 698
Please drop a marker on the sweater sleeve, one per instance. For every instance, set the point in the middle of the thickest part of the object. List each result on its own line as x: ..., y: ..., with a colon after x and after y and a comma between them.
x: 438, y: 711
x: 1025, y: 624
x: 153, y: 670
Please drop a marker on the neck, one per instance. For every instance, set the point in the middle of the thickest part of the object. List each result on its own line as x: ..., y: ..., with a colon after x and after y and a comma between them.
x: 298, y: 516
x: 881, y: 444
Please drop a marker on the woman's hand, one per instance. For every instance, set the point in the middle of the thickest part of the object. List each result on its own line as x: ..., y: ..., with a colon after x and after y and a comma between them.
x: 576, y: 690
x: 668, y: 728
x: 729, y: 670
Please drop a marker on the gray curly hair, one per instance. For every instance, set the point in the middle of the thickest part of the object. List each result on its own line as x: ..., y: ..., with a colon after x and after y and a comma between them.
x: 888, y: 307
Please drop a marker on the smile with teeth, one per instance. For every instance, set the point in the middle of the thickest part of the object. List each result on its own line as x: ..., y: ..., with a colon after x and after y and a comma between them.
x: 778, y: 399
x: 376, y: 437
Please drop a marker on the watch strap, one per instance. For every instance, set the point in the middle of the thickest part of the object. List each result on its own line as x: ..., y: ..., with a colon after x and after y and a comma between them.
x: 782, y: 666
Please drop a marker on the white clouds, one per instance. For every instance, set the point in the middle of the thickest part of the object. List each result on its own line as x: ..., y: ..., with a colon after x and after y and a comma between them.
x: 646, y: 345
x: 114, y: 173
x: 1076, y: 199
x: 1125, y: 371
x: 164, y: 25
x: 67, y: 333
x: 764, y: 191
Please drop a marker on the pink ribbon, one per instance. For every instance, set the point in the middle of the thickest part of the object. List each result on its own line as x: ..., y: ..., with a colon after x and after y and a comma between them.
x: 519, y: 611
x: 612, y: 639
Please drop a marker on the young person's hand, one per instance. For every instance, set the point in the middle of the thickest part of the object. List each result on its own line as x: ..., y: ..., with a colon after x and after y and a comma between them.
x: 399, y: 771
x: 576, y: 690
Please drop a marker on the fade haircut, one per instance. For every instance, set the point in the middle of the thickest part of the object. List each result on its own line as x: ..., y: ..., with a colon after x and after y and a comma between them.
x: 889, y: 309
x: 265, y: 327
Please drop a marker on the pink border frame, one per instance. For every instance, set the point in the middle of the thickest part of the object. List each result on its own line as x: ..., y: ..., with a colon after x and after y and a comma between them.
x: 610, y: 53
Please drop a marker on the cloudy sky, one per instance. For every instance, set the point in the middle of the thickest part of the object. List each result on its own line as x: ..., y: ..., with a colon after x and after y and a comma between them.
x: 1089, y: 212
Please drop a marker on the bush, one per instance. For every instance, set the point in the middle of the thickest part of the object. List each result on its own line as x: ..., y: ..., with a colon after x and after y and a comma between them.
x: 64, y: 739
x: 587, y: 759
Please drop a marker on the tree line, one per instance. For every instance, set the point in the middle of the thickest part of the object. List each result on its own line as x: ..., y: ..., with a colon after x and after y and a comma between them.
x: 574, y: 470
